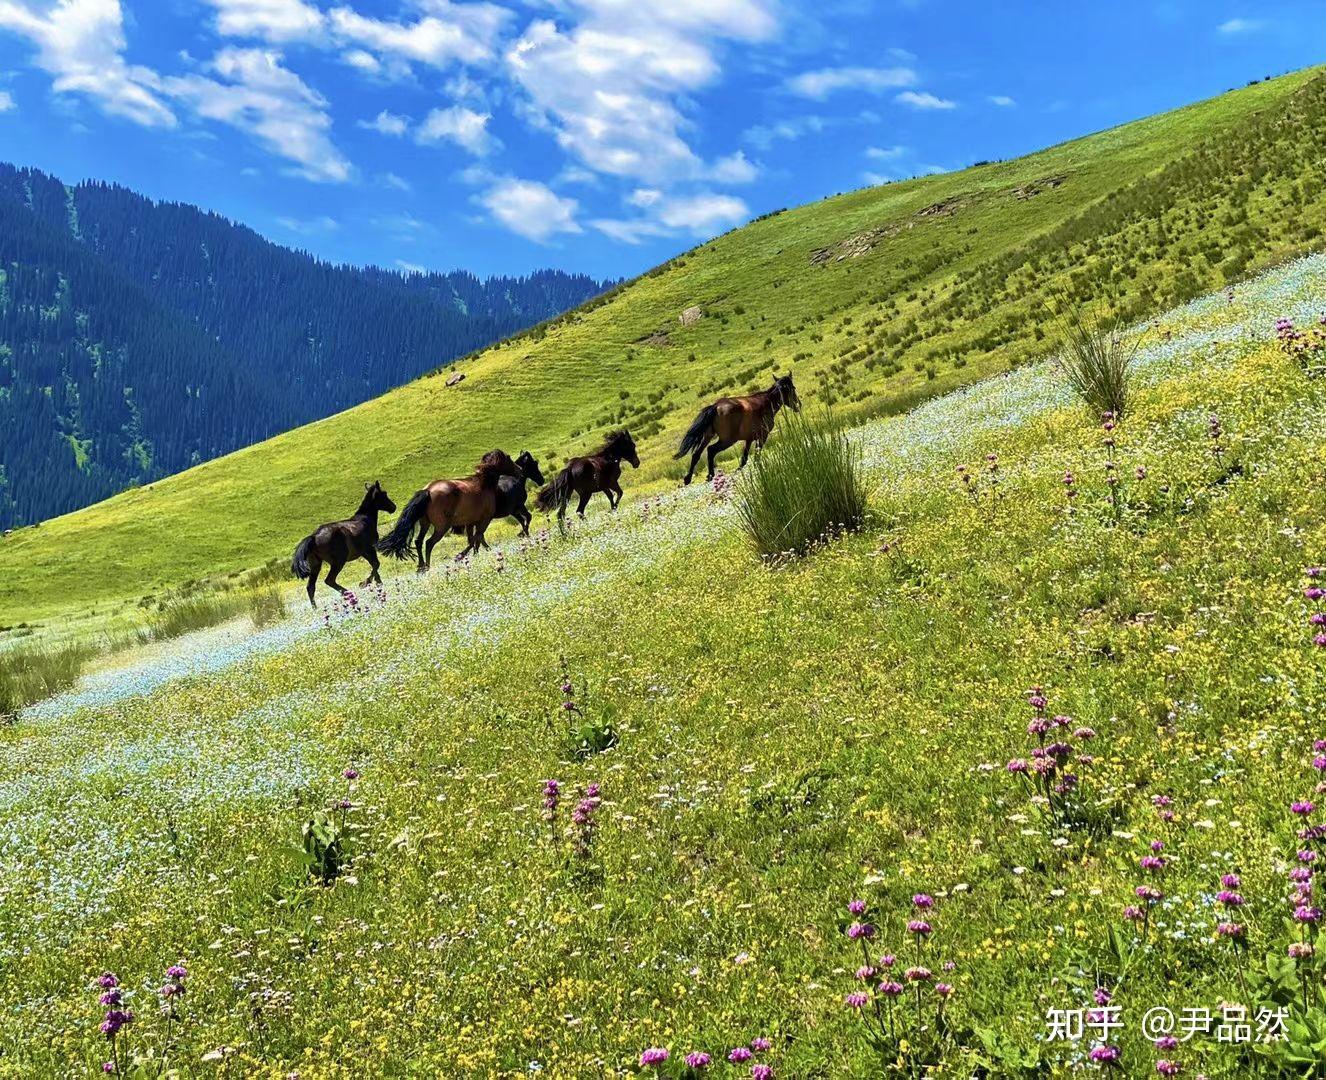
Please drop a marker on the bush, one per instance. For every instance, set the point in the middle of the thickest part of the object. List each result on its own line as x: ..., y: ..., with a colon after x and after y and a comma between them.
x: 34, y: 672
x: 1098, y: 362
x: 807, y: 485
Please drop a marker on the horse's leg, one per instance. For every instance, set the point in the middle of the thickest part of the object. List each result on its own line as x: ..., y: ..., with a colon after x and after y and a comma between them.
x: 695, y: 459
x: 616, y: 489
x: 716, y: 448
x: 372, y: 557
x: 419, y: 547
x: 428, y: 548
x: 584, y: 501
x: 745, y: 454
x: 524, y: 517
x: 314, y: 569
x: 336, y: 566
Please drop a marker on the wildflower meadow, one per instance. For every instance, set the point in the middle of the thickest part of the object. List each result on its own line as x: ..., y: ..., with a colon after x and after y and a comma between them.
x: 1025, y: 777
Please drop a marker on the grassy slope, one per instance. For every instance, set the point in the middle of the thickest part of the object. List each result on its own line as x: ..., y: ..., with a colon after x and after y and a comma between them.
x: 949, y: 289
x: 789, y: 740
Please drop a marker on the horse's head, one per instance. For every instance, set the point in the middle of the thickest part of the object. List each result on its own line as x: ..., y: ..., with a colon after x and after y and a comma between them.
x: 787, y: 392
x: 622, y: 446
x: 494, y: 465
x: 527, y: 464
x: 376, y: 498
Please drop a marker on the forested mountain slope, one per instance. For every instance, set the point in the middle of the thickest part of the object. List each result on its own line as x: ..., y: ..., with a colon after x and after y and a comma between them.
x: 139, y: 338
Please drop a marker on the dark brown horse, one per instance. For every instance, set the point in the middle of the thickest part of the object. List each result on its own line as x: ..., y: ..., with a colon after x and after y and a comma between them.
x: 511, y: 495
x: 599, y: 471
x: 469, y: 503
x: 731, y: 420
x: 339, y: 542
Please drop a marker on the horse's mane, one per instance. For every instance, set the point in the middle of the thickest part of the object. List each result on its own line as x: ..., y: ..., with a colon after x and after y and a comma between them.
x: 616, y: 440
x: 495, y: 464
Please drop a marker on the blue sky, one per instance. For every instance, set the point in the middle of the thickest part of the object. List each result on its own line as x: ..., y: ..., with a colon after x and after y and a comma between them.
x: 595, y: 135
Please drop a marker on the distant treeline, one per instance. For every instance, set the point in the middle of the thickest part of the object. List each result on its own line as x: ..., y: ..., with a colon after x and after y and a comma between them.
x: 138, y: 338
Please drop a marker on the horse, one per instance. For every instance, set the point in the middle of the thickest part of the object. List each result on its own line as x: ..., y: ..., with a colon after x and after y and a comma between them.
x: 599, y: 471
x: 340, y: 542
x: 511, y: 495
x: 732, y: 420
x: 469, y: 503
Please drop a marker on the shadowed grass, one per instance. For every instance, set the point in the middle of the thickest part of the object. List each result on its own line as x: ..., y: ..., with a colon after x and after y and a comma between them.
x: 807, y: 484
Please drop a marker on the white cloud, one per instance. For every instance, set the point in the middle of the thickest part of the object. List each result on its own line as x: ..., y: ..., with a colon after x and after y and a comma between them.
x: 733, y: 169
x: 924, y: 100
x: 268, y: 101
x: 80, y: 44
x: 764, y: 136
x: 701, y: 214
x: 530, y: 209
x: 464, y: 127
x: 362, y: 61
x: 443, y: 34
x: 1240, y: 26
x: 874, y: 179
x: 410, y: 268
x: 394, y: 182
x: 271, y: 20
x: 309, y: 226
x: 611, y: 87
x: 818, y: 85
x: 885, y: 153
x: 6, y: 101
x: 449, y: 34
x: 1002, y: 100
x: 387, y: 123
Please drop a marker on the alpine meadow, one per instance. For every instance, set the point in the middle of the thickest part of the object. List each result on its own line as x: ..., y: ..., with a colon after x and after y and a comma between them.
x: 972, y: 728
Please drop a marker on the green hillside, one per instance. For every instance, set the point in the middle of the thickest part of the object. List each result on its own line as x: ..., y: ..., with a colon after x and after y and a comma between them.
x: 769, y: 744
x: 872, y: 299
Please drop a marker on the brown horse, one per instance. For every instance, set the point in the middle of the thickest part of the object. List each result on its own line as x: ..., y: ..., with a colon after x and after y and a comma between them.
x: 339, y: 542
x: 731, y: 420
x: 469, y: 503
x: 599, y: 471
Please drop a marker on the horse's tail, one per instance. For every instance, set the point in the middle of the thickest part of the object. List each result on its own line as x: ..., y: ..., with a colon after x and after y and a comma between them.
x: 299, y: 563
x: 557, y: 494
x: 695, y: 434
x: 397, y: 542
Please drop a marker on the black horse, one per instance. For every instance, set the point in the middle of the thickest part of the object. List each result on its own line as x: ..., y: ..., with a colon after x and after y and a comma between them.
x: 340, y: 542
x: 599, y: 471
x: 511, y: 494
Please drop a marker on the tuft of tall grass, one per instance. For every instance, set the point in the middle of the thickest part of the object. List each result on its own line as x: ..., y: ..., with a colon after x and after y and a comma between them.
x: 193, y: 613
x: 32, y: 672
x: 1097, y: 361
x: 266, y: 607
x: 805, y: 486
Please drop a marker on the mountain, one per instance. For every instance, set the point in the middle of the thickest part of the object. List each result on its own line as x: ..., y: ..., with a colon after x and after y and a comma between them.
x: 873, y: 300
x: 139, y: 338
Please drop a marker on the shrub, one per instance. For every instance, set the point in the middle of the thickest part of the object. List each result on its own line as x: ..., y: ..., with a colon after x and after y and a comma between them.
x: 805, y: 486
x: 34, y: 672
x: 1097, y: 362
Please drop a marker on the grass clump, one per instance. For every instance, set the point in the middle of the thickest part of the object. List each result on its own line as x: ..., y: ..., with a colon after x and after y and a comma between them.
x: 191, y: 613
x: 33, y: 672
x: 1097, y: 361
x: 266, y: 607
x: 805, y: 486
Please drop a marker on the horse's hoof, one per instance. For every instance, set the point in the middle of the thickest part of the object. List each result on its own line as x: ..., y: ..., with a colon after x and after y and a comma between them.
x: 686, y: 482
